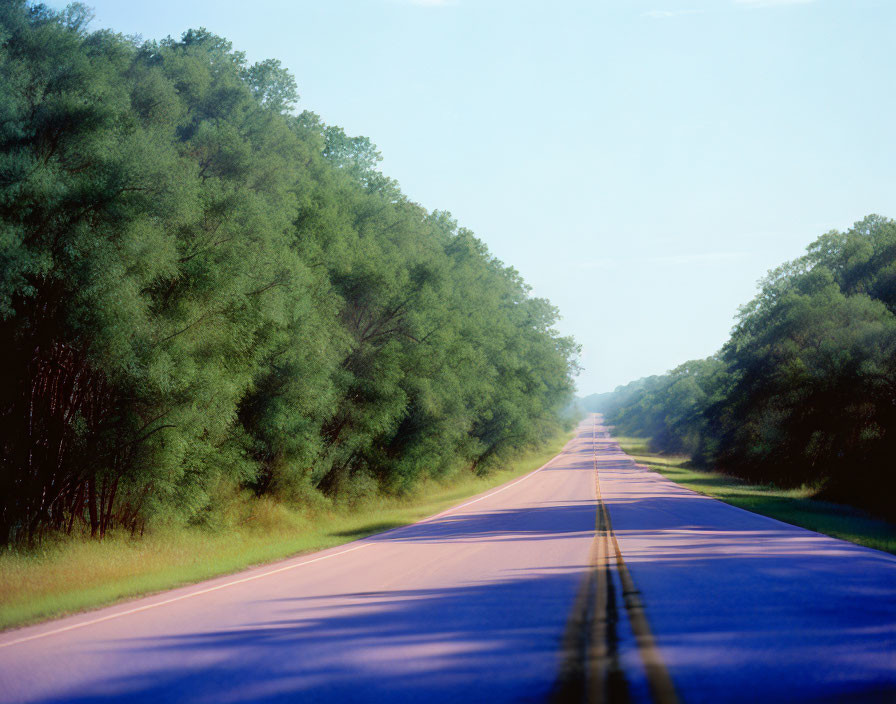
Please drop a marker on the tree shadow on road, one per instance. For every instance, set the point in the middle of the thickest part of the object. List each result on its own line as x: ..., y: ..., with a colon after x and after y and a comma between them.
x: 489, y: 642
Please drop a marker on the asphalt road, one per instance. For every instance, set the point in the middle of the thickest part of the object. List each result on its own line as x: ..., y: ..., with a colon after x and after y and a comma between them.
x: 744, y: 608
x: 474, y: 605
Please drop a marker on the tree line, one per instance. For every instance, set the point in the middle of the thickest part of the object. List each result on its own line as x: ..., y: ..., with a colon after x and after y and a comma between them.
x: 203, y: 287
x: 804, y: 391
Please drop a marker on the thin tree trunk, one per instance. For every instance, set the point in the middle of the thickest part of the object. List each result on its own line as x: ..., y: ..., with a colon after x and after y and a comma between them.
x: 91, y: 507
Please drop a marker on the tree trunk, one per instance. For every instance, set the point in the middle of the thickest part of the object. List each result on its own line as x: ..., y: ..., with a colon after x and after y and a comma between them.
x: 92, y: 508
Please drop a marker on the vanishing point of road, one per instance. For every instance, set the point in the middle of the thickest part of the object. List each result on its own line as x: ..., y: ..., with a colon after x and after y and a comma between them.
x: 590, y: 579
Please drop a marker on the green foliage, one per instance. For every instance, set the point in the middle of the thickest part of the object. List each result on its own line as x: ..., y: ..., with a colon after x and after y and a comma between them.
x: 804, y: 392
x: 202, y: 289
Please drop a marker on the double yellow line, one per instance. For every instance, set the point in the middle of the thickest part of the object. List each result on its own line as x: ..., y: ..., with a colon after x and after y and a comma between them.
x: 591, y: 671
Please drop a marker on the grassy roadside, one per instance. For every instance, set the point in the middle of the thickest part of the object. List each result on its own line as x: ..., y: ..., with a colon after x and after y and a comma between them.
x: 795, y: 506
x: 78, y: 574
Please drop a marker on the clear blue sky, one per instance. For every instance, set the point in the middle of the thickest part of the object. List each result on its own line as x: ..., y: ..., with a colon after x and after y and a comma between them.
x: 642, y: 164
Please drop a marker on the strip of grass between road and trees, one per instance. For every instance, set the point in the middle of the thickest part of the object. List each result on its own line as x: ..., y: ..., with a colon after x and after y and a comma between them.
x: 795, y: 506
x: 76, y: 573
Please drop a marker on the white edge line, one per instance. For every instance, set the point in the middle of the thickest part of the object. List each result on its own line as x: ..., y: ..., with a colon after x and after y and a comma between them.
x: 255, y: 576
x: 176, y: 598
x: 487, y: 496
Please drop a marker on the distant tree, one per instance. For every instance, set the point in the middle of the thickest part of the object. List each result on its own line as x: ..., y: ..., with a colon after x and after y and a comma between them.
x: 804, y: 391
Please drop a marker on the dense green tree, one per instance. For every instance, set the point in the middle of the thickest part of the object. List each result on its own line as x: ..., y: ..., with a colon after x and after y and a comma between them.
x: 201, y: 288
x: 804, y: 391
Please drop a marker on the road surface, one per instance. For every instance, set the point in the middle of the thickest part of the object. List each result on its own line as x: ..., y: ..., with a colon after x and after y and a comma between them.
x: 517, y: 595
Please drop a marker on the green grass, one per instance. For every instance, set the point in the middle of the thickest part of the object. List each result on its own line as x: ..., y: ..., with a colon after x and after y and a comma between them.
x: 76, y: 574
x: 795, y: 506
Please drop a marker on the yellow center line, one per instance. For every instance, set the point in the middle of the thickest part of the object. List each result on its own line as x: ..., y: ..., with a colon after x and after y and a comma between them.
x: 659, y: 681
